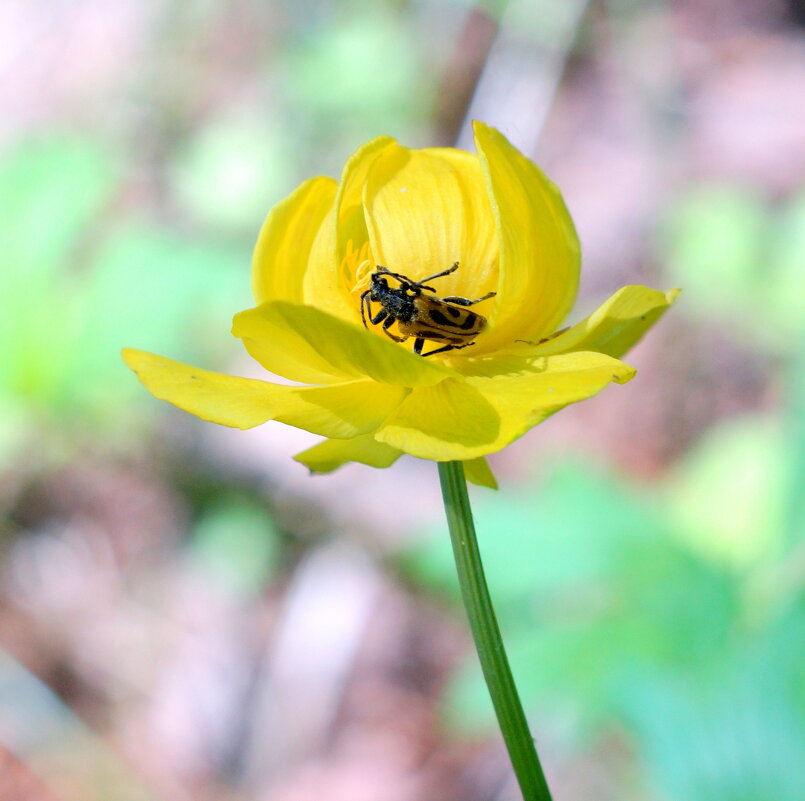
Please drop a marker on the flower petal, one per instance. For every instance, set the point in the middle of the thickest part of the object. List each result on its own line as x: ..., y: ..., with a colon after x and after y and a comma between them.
x: 349, y: 203
x: 324, y: 285
x: 341, y: 410
x: 455, y: 420
x: 451, y: 420
x: 539, y: 248
x: 478, y: 472
x: 549, y: 384
x: 305, y: 344
x: 332, y: 453
x: 281, y: 255
x: 426, y: 210
x: 615, y: 326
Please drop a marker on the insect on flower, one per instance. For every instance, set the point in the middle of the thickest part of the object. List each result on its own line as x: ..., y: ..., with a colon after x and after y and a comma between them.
x: 420, y: 315
x: 372, y: 399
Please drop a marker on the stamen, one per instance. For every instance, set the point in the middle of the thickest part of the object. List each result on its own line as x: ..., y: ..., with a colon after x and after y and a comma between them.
x: 356, y: 267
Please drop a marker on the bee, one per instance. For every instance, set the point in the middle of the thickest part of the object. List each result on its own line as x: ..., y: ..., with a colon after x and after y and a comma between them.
x: 420, y: 315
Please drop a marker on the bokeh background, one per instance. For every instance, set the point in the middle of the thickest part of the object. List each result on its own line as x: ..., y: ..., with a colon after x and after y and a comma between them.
x: 186, y: 614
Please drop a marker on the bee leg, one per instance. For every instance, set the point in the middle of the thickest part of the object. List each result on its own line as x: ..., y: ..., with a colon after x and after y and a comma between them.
x: 443, y: 349
x: 380, y: 316
x: 419, y: 343
x: 545, y: 339
x: 438, y: 350
x: 438, y: 275
x: 459, y: 301
x: 403, y: 279
x: 366, y: 305
x: 386, y: 325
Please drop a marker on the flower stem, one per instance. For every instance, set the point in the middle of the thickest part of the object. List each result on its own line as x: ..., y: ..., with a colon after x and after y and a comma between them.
x: 485, y: 631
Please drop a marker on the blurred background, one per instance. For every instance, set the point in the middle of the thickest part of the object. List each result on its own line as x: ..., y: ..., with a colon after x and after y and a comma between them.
x: 186, y: 614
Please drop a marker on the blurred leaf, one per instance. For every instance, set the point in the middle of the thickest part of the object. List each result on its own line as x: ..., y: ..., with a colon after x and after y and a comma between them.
x: 154, y: 291
x: 735, y: 736
x: 786, y: 300
x: 49, y: 192
x: 684, y: 609
x: 233, y: 170
x: 794, y: 422
x: 535, y: 545
x: 727, y: 495
x: 716, y: 246
x: 568, y: 668
x: 658, y: 607
x: 358, y: 74
x: 551, y: 559
x: 237, y: 542
x: 740, y: 262
x: 13, y: 422
x: 70, y: 298
x: 612, y: 622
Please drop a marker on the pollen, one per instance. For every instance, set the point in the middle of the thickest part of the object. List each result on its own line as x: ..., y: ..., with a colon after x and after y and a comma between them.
x: 356, y: 267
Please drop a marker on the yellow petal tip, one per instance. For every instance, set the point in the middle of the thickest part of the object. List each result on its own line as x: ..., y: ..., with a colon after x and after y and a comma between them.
x: 132, y: 357
x: 478, y: 472
x: 626, y: 375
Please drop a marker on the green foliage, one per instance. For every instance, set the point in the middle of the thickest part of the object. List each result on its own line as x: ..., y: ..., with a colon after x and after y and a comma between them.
x: 784, y: 291
x: 233, y: 170
x: 640, y: 614
x: 76, y: 286
x: 237, y: 543
x: 587, y: 515
x: 740, y: 261
x: 49, y: 193
x: 727, y: 497
x: 794, y: 421
x: 359, y: 77
x: 735, y: 734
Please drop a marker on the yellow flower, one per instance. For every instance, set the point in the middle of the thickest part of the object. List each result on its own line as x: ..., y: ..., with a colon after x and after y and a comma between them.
x: 415, y: 212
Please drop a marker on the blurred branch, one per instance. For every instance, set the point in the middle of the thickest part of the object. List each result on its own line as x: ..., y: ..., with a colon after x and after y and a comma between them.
x: 56, y: 745
x: 317, y: 636
x: 522, y: 73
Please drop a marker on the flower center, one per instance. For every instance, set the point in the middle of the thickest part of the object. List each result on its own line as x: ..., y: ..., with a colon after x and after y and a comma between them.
x: 356, y: 268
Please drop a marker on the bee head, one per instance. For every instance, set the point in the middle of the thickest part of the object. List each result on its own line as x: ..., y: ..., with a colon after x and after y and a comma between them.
x: 378, y: 287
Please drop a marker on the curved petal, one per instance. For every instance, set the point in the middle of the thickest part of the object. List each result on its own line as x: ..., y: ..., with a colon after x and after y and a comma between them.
x: 615, y: 326
x: 322, y: 285
x: 550, y: 383
x: 478, y: 472
x: 332, y: 453
x: 305, y: 344
x: 539, y: 248
x: 281, y: 255
x: 341, y: 410
x: 349, y: 202
x: 426, y: 210
x: 482, y: 416
x: 451, y: 420
x: 325, y: 286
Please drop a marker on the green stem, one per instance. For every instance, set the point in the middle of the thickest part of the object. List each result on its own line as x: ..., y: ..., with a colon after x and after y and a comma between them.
x: 485, y: 631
